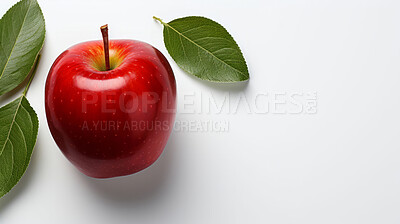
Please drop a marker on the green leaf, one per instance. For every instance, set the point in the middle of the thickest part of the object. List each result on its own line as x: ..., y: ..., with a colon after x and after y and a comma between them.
x: 18, y: 132
x: 205, y: 49
x: 22, y: 31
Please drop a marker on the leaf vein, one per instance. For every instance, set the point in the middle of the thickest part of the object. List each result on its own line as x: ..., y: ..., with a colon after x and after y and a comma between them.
x: 16, y: 39
x: 204, y: 49
x: 12, y: 123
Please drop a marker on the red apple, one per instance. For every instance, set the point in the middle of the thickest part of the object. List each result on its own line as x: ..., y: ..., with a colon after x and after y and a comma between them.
x: 111, y: 121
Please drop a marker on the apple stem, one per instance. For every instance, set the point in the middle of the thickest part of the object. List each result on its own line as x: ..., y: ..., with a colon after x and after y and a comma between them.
x: 104, y: 32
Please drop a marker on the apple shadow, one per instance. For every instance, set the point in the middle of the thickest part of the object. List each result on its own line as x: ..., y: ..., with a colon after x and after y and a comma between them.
x: 143, y: 186
x: 26, y: 179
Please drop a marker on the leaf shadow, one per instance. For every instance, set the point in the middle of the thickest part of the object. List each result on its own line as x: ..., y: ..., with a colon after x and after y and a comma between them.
x: 137, y: 188
x: 15, y: 93
x: 221, y: 86
x: 25, y: 180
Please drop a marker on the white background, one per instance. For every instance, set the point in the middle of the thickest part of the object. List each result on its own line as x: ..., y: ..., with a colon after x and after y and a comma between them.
x: 340, y: 165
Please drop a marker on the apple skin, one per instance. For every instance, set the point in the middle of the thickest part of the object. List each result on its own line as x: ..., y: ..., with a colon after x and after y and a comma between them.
x: 111, y: 123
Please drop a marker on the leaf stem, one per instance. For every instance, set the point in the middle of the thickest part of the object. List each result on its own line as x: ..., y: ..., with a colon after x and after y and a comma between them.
x: 159, y: 20
x: 33, y: 71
